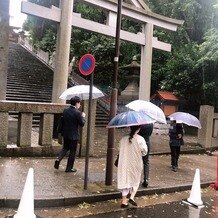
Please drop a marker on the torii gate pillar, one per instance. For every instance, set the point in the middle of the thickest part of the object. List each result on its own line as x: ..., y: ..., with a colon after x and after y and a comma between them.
x: 146, y: 62
x: 62, y: 51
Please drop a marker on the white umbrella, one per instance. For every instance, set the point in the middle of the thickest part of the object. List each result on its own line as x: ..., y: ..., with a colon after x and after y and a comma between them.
x: 149, y: 108
x: 186, y: 118
x: 81, y: 91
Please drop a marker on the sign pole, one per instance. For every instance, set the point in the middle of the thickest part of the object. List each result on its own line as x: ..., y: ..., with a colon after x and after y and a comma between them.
x: 86, y: 67
x: 88, y: 132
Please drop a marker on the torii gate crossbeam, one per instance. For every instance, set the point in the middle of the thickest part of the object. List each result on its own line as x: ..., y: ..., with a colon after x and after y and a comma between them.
x: 54, y: 14
x: 147, y: 18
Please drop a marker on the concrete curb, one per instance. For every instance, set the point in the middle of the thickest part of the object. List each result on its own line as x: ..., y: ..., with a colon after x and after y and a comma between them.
x: 52, y: 152
x: 61, y: 202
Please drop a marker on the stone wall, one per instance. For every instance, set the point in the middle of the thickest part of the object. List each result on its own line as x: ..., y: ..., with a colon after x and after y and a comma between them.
x: 46, y: 145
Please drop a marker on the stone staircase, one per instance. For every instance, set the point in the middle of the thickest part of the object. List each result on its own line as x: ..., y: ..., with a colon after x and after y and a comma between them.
x: 30, y: 79
x: 102, y: 116
x: 27, y: 79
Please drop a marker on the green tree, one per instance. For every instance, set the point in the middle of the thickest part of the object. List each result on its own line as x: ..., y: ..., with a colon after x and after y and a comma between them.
x: 208, y: 66
x: 42, y: 32
x: 189, y: 70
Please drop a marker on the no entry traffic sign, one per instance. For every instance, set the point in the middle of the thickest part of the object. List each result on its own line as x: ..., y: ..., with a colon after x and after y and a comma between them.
x: 87, y: 64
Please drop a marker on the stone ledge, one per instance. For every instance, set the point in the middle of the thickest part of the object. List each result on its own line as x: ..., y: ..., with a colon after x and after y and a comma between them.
x: 39, y: 151
x: 31, y: 107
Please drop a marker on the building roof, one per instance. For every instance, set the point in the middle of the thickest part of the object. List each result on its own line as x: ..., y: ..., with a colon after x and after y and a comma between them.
x: 165, y: 96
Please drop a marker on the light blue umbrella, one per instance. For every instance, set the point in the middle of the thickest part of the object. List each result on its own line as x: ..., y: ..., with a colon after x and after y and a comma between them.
x: 130, y: 118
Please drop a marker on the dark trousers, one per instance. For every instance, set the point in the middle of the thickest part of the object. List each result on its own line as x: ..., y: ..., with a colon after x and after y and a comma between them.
x: 146, y: 165
x: 175, y: 152
x: 72, y: 146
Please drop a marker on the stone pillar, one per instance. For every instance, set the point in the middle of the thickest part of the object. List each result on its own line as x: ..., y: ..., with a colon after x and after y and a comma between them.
x: 24, y: 129
x: 4, y: 129
x: 46, y: 129
x: 83, y: 140
x: 214, y: 142
x: 215, y: 129
x: 62, y: 51
x: 4, y: 33
x: 146, y: 63
x: 206, y: 119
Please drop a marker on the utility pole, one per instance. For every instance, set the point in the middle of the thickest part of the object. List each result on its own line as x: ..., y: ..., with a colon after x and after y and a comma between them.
x: 113, y: 102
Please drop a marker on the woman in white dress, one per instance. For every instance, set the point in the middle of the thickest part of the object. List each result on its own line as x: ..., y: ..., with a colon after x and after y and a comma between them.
x: 130, y: 165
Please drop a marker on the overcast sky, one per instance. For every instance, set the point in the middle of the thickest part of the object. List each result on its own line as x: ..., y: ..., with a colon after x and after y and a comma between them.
x: 16, y: 17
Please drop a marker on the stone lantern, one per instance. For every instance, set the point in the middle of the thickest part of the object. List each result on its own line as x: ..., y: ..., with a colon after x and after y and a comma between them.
x: 131, y: 92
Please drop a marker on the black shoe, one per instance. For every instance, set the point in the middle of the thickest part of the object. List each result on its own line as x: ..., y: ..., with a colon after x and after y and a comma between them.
x: 133, y: 202
x: 145, y: 184
x: 56, y: 164
x: 71, y: 171
x: 124, y: 205
x: 174, y: 169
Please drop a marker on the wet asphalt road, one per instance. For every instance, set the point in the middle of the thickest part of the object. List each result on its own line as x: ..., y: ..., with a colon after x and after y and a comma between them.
x: 167, y: 210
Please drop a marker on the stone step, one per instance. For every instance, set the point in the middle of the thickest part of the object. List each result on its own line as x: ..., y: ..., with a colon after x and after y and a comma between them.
x: 30, y: 88
x: 20, y: 85
x: 36, y: 94
x: 103, y: 118
x: 10, y: 98
x: 25, y: 81
x: 35, y: 122
x: 101, y: 124
x: 29, y: 92
x: 101, y: 114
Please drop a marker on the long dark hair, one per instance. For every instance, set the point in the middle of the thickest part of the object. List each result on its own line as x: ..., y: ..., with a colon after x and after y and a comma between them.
x: 133, y: 129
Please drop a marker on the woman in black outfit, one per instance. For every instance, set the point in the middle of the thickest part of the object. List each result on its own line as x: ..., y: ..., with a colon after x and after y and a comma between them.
x: 176, y: 140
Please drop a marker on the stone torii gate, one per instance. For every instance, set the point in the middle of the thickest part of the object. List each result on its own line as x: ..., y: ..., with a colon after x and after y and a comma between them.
x: 132, y: 9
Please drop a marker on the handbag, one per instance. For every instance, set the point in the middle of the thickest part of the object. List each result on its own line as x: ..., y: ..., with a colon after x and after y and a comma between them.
x: 116, y: 161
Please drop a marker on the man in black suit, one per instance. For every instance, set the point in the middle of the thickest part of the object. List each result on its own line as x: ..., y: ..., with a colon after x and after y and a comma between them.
x: 72, y: 119
x: 146, y: 131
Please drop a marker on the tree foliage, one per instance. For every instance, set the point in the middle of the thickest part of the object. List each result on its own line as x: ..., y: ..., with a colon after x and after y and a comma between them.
x: 207, y: 64
x: 42, y: 32
x: 190, y: 70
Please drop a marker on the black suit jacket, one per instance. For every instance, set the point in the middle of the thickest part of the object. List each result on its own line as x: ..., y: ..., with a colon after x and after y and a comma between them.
x: 146, y: 131
x: 72, y: 119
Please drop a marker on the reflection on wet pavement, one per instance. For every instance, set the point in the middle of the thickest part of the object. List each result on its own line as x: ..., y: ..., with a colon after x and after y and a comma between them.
x: 172, y: 210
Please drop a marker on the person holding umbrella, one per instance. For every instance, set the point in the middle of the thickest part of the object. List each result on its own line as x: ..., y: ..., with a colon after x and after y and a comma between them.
x: 72, y: 119
x: 146, y: 131
x: 176, y: 140
x: 132, y: 148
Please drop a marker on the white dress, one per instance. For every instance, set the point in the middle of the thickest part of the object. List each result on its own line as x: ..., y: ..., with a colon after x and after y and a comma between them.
x: 130, y: 162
